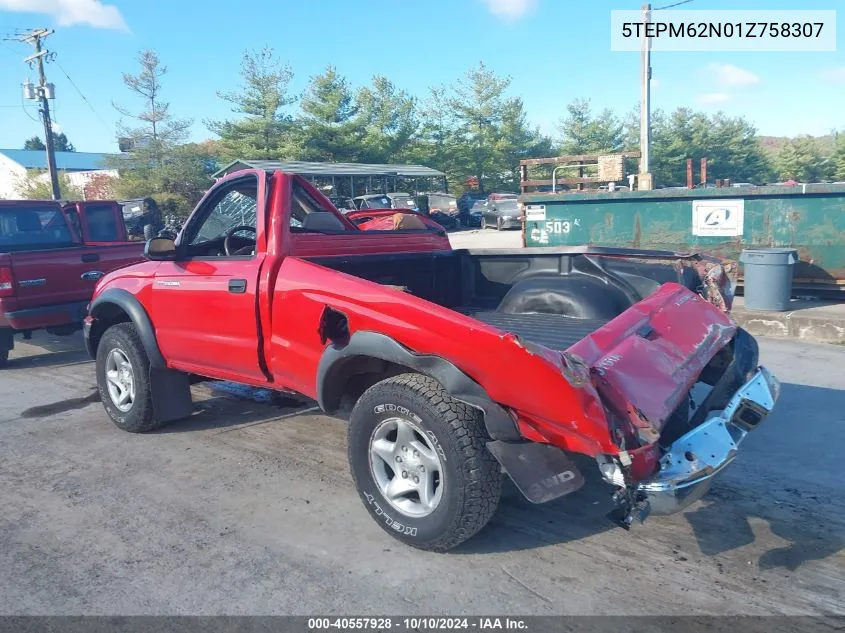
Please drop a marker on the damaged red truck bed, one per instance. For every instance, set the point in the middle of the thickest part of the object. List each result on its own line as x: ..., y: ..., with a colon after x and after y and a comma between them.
x: 456, y: 368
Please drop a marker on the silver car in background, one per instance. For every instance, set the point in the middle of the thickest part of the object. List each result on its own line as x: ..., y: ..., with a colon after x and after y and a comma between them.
x: 401, y: 200
x: 501, y: 212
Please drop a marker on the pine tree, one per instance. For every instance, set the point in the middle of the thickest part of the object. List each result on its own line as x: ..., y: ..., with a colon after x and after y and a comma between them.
x: 265, y: 130
x: 328, y: 128
x: 801, y: 159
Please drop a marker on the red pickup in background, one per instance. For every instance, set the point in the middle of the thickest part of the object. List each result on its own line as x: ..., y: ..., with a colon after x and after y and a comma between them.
x: 51, y: 256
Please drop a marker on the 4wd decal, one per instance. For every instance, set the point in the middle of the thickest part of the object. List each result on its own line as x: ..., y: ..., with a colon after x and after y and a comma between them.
x: 407, y: 530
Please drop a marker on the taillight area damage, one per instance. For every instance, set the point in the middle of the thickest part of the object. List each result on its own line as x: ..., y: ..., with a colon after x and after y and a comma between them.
x: 677, y: 386
x: 716, y: 285
x: 688, y: 465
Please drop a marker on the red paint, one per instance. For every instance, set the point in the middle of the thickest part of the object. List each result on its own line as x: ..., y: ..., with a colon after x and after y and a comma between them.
x: 652, y: 354
x: 382, y: 220
x: 268, y: 336
x: 49, y: 283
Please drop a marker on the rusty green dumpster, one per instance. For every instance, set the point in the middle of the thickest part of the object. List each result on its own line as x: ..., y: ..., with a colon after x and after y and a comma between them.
x: 718, y: 221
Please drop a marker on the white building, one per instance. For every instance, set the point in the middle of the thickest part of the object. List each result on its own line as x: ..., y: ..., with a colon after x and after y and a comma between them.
x: 79, y: 167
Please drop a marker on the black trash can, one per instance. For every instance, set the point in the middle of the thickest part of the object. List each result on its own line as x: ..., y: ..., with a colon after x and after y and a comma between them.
x: 767, y: 282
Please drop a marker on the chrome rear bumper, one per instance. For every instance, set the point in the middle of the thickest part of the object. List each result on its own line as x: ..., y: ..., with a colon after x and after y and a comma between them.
x: 689, y: 466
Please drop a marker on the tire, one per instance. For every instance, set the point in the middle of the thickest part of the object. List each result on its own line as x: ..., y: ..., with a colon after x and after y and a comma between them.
x: 4, y: 358
x: 121, y: 341
x: 483, y: 223
x: 467, y: 486
x: 498, y: 224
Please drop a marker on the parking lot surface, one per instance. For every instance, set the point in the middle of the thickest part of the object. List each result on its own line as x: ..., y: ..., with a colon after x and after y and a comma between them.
x: 248, y: 508
x: 488, y: 238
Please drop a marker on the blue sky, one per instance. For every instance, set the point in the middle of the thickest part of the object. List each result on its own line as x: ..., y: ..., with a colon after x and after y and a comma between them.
x: 554, y: 50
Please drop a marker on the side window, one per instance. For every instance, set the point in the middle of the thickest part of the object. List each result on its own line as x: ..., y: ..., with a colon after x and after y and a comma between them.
x: 102, y: 225
x: 308, y: 214
x: 234, y: 207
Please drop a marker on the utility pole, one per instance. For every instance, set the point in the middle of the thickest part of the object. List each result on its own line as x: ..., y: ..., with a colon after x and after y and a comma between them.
x: 44, y: 91
x: 645, y: 180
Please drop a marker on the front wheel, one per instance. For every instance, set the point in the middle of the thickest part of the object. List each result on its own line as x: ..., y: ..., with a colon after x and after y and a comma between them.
x: 483, y: 223
x: 498, y: 224
x: 4, y: 358
x: 420, y: 463
x: 123, y: 379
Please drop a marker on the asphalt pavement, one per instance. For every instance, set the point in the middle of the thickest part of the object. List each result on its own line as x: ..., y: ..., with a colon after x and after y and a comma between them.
x: 248, y: 508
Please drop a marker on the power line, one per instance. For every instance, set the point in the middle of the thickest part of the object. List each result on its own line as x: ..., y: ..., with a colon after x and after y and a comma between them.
x: 8, y: 50
x: 84, y: 98
x: 669, y: 6
x: 25, y: 111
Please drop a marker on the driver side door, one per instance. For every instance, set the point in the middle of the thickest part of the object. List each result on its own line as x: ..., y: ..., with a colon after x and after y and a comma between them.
x: 205, y: 304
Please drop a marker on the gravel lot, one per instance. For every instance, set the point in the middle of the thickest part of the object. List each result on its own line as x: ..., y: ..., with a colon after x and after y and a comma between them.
x: 248, y: 508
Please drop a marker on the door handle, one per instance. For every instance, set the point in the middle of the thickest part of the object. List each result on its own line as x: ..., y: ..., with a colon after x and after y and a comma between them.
x: 237, y: 286
x: 89, y: 258
x: 92, y: 275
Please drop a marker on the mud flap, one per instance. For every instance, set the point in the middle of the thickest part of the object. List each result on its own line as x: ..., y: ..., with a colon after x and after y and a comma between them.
x: 171, y: 391
x: 540, y: 471
x: 7, y: 339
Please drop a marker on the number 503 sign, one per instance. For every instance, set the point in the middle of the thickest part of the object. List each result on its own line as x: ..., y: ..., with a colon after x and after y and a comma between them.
x: 542, y: 230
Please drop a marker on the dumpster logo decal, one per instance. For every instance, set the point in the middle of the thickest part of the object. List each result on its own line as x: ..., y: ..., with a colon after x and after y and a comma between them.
x: 713, y: 218
x: 535, y: 213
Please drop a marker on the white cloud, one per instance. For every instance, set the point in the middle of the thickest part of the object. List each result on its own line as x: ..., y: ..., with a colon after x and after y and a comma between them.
x: 710, y: 98
x: 834, y: 75
x: 730, y: 75
x: 510, y: 9
x: 69, y: 12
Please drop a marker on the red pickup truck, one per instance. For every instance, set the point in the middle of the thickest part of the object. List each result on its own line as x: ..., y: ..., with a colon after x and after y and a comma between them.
x: 456, y: 367
x: 51, y: 256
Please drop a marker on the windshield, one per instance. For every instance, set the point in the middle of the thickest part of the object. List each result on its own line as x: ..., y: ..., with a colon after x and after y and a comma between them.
x: 33, y: 226
x: 380, y: 202
x: 507, y: 205
x: 237, y: 207
x: 403, y: 201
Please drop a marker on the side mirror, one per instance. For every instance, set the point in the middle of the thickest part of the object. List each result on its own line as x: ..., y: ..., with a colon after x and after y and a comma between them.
x: 160, y: 249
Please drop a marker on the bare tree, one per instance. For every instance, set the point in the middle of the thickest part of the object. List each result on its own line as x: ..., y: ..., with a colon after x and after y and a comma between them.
x: 158, y: 130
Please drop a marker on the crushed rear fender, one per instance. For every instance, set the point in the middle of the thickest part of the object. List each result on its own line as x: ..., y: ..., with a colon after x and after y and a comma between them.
x: 645, y: 361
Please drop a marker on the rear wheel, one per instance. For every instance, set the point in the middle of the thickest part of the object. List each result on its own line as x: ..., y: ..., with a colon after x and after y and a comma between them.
x: 123, y: 379
x: 483, y: 223
x: 4, y: 358
x: 498, y: 224
x: 420, y: 463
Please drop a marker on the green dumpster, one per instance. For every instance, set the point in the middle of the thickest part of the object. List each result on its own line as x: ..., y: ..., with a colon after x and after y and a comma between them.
x: 717, y: 221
